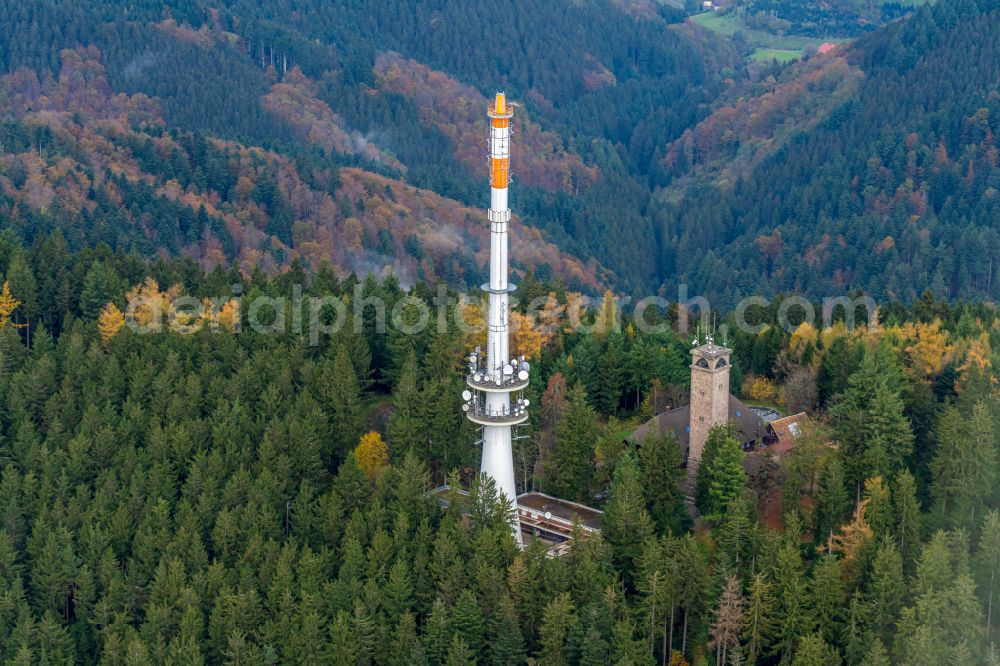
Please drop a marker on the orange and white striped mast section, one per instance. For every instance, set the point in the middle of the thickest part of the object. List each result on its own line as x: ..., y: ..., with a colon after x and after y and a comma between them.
x: 494, y: 378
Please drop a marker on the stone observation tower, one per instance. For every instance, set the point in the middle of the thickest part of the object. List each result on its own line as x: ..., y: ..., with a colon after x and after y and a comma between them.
x: 709, y: 397
x: 493, y: 375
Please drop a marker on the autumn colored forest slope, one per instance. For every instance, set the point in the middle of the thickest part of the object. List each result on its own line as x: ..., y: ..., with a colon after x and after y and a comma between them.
x: 648, y: 152
x: 260, y: 132
x: 871, y: 167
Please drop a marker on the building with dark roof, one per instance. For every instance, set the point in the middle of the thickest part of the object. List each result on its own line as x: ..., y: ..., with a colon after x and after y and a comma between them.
x: 711, y: 405
x: 750, y: 429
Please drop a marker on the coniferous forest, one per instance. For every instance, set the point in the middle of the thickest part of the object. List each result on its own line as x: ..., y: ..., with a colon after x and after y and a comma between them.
x: 214, y: 494
x: 218, y: 491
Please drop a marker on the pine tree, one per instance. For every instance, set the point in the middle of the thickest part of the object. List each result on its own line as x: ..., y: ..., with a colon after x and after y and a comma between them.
x: 627, y: 524
x: 569, y: 471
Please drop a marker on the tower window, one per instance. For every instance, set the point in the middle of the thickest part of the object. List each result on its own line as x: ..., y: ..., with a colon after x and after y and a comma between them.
x: 702, y: 363
x: 721, y: 363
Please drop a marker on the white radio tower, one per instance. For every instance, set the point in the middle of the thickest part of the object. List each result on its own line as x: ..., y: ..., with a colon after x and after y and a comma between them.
x: 492, y: 379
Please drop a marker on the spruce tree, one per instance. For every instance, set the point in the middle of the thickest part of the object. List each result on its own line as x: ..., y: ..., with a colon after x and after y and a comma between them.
x: 884, y: 591
x: 793, y: 618
x: 721, y: 478
x: 877, y: 656
x: 343, y: 399
x: 729, y: 619
x: 662, y: 475
x: 693, y: 584
x: 610, y: 374
x: 828, y: 598
x: 907, y: 519
x: 467, y: 621
x: 437, y: 632
x: 405, y: 648
x: 506, y: 639
x: 833, y: 502
x: 459, y: 652
x: 558, y: 622
x: 101, y: 285
x: 627, y: 524
x: 758, y: 619
x: 405, y: 428
x: 814, y: 651
x: 569, y: 471
x: 594, y: 649
x: 988, y: 567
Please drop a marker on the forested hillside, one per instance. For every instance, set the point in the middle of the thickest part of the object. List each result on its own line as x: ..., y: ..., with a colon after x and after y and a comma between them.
x: 215, y: 494
x: 874, y: 167
x: 314, y: 82
x: 648, y: 149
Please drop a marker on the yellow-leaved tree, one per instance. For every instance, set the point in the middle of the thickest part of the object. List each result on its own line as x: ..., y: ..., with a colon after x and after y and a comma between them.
x: 149, y: 306
x: 109, y: 323
x: 926, y: 347
x: 372, y: 454
x: 763, y: 390
x: 8, y: 303
x: 527, y: 339
x: 848, y: 541
x: 606, y: 320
